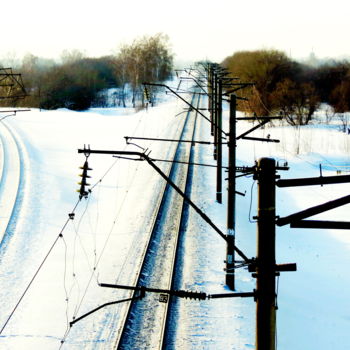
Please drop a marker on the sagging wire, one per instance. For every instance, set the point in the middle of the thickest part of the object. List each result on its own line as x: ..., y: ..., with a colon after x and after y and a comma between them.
x: 79, y: 304
x: 93, y: 274
x: 111, y: 230
x: 170, y: 125
x: 185, y: 111
x: 78, y: 237
x: 251, y: 202
x: 71, y: 216
x: 277, y: 288
x: 260, y: 100
x: 74, y: 274
x: 6, y: 116
x: 134, y: 144
x: 94, y: 230
x: 80, y: 299
x: 65, y: 279
x: 60, y: 235
x: 83, y: 194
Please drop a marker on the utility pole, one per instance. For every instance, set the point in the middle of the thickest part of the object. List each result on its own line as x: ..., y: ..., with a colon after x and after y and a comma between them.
x: 210, y: 97
x: 266, y: 256
x: 219, y: 143
x: 215, y: 108
x: 231, y: 196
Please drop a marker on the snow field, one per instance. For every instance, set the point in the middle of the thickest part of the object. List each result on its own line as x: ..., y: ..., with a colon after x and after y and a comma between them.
x: 109, y: 227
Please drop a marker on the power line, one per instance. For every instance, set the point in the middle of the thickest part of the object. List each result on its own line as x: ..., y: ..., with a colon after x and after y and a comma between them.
x: 39, y: 268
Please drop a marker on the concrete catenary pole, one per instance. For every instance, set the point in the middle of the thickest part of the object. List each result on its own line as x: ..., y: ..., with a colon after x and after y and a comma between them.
x: 231, y: 196
x: 266, y: 256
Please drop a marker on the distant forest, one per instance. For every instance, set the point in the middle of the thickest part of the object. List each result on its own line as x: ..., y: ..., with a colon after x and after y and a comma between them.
x: 292, y: 89
x: 282, y: 86
x: 78, y: 82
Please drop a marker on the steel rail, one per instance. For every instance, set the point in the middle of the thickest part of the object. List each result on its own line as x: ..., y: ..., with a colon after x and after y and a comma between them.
x: 124, y: 340
x: 176, y: 260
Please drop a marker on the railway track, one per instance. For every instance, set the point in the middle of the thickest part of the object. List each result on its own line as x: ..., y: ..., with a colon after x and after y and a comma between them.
x: 11, y: 179
x: 146, y: 320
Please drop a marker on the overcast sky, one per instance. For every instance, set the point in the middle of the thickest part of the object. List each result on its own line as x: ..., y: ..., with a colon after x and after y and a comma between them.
x: 198, y: 29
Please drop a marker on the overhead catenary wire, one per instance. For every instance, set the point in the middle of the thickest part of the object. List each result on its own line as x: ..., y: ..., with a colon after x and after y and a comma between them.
x: 93, y: 272
x: 74, y: 274
x: 96, y: 185
x: 38, y: 269
x: 98, y: 258
x: 60, y: 235
x: 173, y: 122
x: 64, y: 279
x: 251, y: 202
x: 77, y: 231
x: 96, y: 262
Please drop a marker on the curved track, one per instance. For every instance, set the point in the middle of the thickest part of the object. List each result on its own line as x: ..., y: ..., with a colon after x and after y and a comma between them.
x: 145, y: 324
x: 12, y: 179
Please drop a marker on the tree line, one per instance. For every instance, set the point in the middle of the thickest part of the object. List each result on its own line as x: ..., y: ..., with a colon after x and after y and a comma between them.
x: 289, y: 88
x: 78, y: 82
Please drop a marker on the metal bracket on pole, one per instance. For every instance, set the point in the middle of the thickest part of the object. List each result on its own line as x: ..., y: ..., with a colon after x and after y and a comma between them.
x: 265, y: 267
x: 140, y: 296
x: 182, y: 99
x: 145, y: 157
x: 180, y: 293
x: 297, y: 219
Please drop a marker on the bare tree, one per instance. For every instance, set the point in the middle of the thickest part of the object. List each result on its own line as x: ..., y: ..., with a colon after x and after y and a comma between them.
x: 297, y: 102
x: 146, y: 59
x: 264, y: 68
x: 70, y: 56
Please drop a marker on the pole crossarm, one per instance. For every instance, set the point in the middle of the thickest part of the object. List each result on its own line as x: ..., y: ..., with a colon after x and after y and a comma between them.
x: 259, y: 139
x: 278, y: 267
x: 14, y: 110
x: 171, y: 183
x: 201, y: 75
x: 297, y: 217
x: 189, y: 91
x: 252, y: 129
x: 232, y: 295
x: 320, y: 224
x: 176, y: 161
x: 320, y: 180
x: 168, y: 140
x: 13, y: 97
x: 239, y: 87
x: 197, y: 83
x: 182, y: 99
x: 260, y: 118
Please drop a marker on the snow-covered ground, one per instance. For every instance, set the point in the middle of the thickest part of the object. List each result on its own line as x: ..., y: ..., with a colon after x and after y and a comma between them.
x: 101, y: 243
